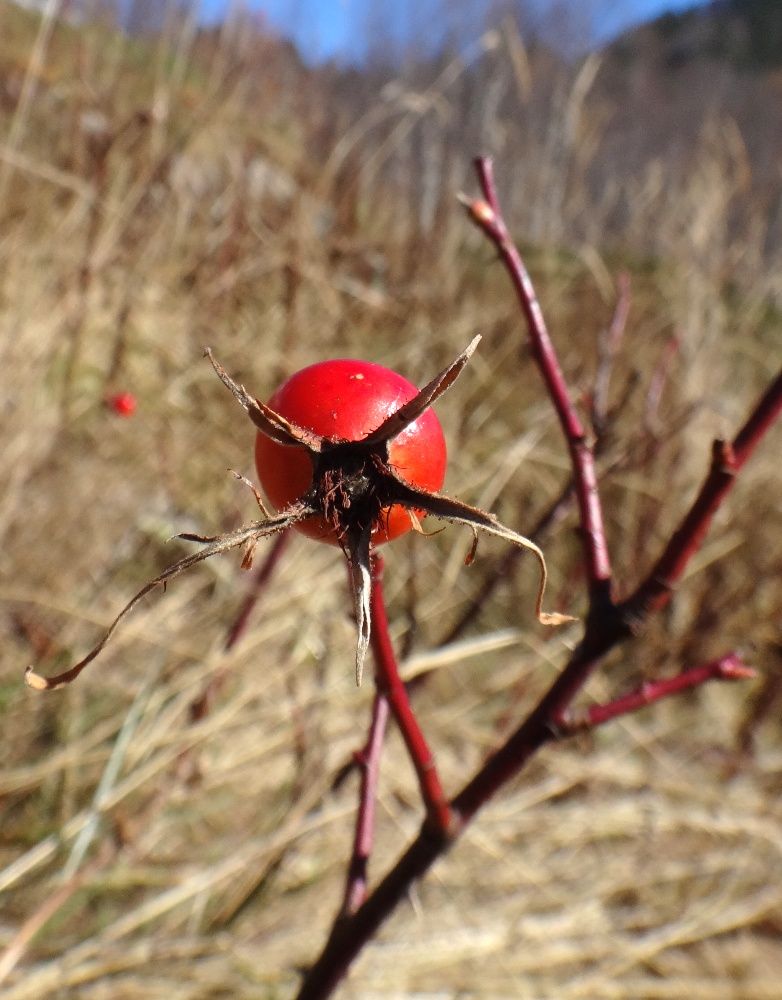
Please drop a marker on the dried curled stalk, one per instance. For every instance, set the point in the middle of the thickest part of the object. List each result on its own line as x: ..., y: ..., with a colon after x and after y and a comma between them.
x: 342, y: 471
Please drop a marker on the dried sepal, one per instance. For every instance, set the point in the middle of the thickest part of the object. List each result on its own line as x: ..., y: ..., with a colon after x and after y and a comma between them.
x: 359, y: 556
x: 470, y: 557
x: 415, y: 524
x: 266, y: 420
x: 457, y: 512
x: 212, y: 546
x: 249, y: 554
x: 255, y: 491
x: 412, y: 410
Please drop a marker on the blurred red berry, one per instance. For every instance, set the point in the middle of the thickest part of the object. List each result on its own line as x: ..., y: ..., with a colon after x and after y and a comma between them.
x: 123, y: 403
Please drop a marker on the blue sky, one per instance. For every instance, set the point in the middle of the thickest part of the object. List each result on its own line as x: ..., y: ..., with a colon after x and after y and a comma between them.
x: 323, y: 29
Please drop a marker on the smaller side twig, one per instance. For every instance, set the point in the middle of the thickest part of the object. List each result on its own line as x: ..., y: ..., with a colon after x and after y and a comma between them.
x: 726, y: 462
x: 726, y: 668
x: 369, y: 762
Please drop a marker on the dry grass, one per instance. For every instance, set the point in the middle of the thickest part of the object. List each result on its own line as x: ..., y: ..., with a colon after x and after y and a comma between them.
x: 200, y: 860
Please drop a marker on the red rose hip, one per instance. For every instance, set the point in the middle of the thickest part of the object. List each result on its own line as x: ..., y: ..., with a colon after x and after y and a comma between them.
x: 346, y: 400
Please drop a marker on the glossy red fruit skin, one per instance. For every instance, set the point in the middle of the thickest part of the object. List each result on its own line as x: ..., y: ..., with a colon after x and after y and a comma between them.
x: 348, y: 399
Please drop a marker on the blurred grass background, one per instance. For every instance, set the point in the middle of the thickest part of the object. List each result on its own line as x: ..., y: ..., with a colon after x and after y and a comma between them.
x: 164, y: 193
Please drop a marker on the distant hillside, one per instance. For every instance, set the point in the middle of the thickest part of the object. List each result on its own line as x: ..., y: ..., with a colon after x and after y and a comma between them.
x: 604, y: 151
x: 745, y: 33
x: 668, y: 78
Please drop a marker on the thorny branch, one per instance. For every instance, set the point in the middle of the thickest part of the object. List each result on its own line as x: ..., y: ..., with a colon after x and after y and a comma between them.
x: 488, y: 217
x: 389, y: 683
x: 606, y: 626
x: 726, y: 668
x: 727, y: 460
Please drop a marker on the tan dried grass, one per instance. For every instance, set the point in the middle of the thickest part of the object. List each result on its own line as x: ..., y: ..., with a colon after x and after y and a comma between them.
x: 640, y: 862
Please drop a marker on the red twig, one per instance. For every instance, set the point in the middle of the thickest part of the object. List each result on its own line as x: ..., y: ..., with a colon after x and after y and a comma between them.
x: 759, y: 421
x: 540, y: 727
x: 369, y: 761
x: 726, y: 668
x: 607, y: 625
x: 726, y: 462
x: 390, y: 684
x: 349, y: 936
x: 488, y: 217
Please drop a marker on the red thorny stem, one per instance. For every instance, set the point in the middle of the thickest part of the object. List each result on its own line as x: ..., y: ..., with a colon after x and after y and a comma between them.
x: 390, y: 684
x: 606, y: 626
x: 727, y: 460
x: 488, y: 217
x: 609, y: 347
